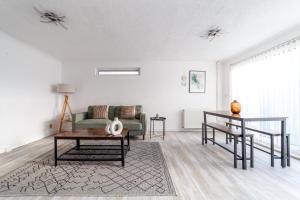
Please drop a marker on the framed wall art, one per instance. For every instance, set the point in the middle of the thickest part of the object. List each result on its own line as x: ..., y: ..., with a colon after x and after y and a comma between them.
x: 197, y: 81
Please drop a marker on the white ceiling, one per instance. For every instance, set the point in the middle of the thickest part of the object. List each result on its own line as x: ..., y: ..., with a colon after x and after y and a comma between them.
x: 147, y: 29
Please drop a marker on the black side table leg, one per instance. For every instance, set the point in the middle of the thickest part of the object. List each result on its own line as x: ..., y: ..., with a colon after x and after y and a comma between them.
x: 202, y: 133
x: 150, y: 127
x: 122, y: 152
x: 164, y: 129
x: 153, y: 121
x: 55, y: 152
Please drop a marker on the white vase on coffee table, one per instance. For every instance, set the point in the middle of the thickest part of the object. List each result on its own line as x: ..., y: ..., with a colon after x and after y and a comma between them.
x: 114, y: 127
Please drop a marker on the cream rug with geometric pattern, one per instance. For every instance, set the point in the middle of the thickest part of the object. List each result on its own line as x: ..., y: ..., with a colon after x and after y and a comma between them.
x: 145, y: 173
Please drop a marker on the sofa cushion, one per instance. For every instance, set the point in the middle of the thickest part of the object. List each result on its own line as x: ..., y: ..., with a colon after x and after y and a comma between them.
x: 117, y: 111
x: 90, y: 112
x: 100, y: 112
x: 92, y: 123
x: 114, y: 111
x: 127, y: 112
x: 101, y: 123
x: 138, y: 111
x: 132, y: 124
x: 111, y: 112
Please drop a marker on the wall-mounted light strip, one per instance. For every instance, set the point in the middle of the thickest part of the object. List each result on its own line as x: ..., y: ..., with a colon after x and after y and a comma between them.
x: 116, y: 72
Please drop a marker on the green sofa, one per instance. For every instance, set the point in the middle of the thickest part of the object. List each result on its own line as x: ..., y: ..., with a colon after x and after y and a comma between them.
x: 135, y: 126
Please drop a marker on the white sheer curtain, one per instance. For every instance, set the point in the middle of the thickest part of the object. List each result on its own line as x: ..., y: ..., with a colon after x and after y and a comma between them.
x: 269, y: 85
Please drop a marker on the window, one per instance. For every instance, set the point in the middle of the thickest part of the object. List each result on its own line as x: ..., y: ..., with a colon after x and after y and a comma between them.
x: 118, y: 71
x: 269, y: 85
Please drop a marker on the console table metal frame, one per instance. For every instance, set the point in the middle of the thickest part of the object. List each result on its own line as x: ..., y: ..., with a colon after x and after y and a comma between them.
x: 152, y: 120
x: 243, y: 120
x: 124, y: 148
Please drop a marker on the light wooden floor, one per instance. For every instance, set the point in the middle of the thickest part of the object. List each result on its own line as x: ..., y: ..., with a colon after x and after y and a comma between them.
x: 198, y: 172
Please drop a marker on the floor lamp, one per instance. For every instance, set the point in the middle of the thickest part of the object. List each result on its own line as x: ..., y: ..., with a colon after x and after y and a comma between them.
x: 65, y: 89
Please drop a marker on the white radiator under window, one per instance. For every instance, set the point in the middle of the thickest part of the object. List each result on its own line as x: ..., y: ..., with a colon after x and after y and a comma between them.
x: 192, y: 118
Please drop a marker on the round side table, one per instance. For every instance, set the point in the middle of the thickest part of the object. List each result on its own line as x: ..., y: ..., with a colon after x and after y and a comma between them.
x: 152, y: 120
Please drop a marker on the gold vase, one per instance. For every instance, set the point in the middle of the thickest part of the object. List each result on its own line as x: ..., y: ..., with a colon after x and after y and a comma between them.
x: 235, y: 107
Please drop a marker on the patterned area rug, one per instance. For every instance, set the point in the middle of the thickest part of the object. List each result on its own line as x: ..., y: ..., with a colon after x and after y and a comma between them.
x: 145, y: 173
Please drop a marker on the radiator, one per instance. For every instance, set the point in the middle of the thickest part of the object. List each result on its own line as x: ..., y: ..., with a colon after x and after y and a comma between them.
x: 192, y: 118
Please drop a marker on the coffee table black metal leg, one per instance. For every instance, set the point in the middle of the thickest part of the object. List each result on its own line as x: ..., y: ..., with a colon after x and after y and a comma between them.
x: 128, y: 142
x: 55, y: 152
x: 122, y: 152
x: 78, y: 144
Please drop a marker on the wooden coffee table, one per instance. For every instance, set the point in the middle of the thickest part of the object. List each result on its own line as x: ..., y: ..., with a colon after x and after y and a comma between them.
x: 93, y: 134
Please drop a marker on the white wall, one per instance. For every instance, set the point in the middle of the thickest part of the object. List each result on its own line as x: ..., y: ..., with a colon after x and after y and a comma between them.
x: 27, y: 103
x: 158, y: 88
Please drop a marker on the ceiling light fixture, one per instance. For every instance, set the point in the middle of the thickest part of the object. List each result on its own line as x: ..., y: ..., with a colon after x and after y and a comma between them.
x: 212, y: 33
x: 51, y: 17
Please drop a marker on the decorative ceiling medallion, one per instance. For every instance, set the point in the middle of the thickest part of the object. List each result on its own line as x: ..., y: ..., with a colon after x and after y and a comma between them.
x: 212, y: 33
x: 51, y: 17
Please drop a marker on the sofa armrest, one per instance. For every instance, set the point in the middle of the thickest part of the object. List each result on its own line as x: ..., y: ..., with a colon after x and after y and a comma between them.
x: 143, y: 120
x: 78, y: 117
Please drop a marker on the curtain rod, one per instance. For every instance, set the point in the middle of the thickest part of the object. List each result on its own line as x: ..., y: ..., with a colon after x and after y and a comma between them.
x: 269, y: 49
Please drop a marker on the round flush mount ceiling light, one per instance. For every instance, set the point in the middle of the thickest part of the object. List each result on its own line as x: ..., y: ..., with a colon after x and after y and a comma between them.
x: 212, y: 33
x: 51, y: 17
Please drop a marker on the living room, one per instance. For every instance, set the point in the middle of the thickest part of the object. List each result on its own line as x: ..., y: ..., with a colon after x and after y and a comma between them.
x: 131, y: 99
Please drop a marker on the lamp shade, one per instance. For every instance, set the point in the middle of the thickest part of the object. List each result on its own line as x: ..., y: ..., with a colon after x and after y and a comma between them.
x: 65, y: 88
